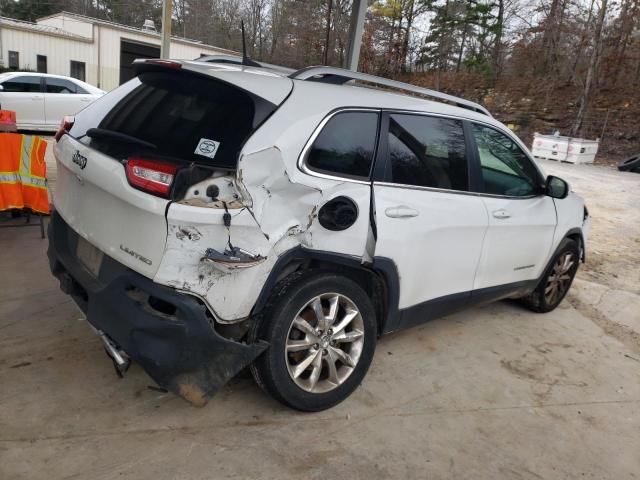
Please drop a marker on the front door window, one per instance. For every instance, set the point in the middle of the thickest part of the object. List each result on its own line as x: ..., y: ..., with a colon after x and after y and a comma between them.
x: 506, y: 169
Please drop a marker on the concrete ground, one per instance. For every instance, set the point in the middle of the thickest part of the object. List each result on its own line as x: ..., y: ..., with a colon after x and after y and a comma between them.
x: 493, y: 392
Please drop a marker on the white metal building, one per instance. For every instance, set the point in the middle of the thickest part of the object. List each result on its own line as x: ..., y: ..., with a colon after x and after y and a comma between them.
x: 96, y: 51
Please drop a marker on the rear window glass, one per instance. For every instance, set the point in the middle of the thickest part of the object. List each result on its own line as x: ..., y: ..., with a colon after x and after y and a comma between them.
x: 186, y: 117
x: 60, y: 85
x: 346, y: 144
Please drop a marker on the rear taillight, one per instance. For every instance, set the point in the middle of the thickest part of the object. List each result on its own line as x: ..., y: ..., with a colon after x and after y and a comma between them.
x: 65, y: 126
x: 152, y: 176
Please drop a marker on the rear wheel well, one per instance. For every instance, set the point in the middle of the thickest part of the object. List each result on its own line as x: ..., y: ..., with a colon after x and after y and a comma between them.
x: 368, y: 279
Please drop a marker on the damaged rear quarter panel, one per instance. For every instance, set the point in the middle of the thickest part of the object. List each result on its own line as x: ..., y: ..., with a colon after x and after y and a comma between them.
x: 279, y: 212
x: 286, y: 203
x: 191, y: 230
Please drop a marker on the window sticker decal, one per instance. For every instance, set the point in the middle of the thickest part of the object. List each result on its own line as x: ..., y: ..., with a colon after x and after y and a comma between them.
x: 207, y: 148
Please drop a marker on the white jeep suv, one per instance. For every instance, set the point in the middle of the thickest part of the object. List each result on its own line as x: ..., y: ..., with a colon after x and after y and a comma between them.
x: 212, y: 216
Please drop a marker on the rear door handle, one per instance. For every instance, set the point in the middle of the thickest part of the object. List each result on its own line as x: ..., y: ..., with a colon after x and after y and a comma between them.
x: 401, y: 211
x: 36, y: 98
x: 502, y: 213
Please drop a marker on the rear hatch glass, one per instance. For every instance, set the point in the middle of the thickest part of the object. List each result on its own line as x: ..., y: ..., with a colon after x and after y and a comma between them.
x: 173, y: 115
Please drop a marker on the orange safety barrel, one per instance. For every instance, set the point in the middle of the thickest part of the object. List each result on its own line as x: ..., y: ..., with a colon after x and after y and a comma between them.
x: 7, y: 121
x: 23, y: 173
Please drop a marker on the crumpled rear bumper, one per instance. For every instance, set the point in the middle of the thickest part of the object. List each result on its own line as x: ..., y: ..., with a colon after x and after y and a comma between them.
x: 167, y: 332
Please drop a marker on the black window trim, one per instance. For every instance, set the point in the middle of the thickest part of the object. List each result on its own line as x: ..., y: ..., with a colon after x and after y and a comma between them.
x: 302, y: 158
x: 476, y: 183
x: 380, y: 168
x: 475, y: 159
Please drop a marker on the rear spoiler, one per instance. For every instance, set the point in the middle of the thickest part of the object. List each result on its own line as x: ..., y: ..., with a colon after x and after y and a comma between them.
x: 145, y: 64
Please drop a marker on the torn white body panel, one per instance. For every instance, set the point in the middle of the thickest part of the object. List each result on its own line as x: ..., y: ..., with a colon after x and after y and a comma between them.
x: 278, y: 215
x: 191, y: 230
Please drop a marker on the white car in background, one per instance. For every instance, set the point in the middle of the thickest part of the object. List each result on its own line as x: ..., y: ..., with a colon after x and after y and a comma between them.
x: 41, y: 100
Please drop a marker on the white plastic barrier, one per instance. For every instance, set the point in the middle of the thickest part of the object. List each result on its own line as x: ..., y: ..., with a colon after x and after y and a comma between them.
x: 564, y: 149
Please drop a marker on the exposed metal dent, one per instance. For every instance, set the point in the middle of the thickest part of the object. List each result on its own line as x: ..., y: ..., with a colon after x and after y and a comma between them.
x: 188, y: 233
x: 198, y: 202
x: 280, y: 206
x: 231, y: 259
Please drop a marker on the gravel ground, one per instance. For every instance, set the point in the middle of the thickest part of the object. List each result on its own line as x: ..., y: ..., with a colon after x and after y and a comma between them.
x: 607, y: 288
x: 491, y: 392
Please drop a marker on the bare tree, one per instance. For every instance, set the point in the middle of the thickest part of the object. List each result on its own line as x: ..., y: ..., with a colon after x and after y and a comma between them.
x: 585, y: 97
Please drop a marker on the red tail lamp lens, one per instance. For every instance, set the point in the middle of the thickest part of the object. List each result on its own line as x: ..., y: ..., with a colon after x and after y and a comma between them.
x: 164, y: 63
x: 65, y: 126
x: 151, y: 176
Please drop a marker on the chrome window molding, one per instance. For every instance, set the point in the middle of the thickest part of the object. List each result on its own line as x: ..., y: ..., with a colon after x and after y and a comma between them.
x: 456, y: 192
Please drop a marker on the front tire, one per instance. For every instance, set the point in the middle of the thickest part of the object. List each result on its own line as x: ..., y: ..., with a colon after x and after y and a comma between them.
x: 322, y: 331
x: 557, y: 279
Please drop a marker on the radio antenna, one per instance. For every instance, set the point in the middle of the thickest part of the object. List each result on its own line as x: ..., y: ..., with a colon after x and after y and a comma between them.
x: 245, y: 59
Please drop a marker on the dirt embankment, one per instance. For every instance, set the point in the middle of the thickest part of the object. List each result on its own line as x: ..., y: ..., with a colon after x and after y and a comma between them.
x: 543, y: 105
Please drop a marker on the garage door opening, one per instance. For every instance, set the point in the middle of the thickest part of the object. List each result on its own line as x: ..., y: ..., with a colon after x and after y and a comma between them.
x: 129, y: 51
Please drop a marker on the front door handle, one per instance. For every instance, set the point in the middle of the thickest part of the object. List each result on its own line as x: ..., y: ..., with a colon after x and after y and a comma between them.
x: 36, y: 98
x: 401, y: 211
x: 502, y: 213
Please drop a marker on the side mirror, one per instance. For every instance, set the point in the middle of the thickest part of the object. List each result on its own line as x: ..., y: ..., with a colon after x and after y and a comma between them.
x: 555, y: 187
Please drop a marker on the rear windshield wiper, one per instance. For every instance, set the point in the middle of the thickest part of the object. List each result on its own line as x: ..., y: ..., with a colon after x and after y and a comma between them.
x: 104, y: 133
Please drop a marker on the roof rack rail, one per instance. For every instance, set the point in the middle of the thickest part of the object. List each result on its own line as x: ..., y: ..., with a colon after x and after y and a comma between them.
x: 338, y: 76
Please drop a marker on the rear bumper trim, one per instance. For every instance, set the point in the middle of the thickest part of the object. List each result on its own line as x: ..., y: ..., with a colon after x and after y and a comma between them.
x: 177, y: 345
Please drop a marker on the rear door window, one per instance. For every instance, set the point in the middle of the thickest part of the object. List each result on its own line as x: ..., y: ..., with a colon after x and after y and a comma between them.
x: 346, y: 145
x: 427, y: 152
x: 60, y: 85
x: 181, y: 116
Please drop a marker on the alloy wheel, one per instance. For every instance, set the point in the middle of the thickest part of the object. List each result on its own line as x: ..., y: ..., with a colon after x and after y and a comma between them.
x: 559, y: 278
x: 324, y: 343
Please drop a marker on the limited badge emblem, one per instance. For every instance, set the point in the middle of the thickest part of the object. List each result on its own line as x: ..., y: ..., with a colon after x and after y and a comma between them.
x: 207, y: 148
x: 79, y: 160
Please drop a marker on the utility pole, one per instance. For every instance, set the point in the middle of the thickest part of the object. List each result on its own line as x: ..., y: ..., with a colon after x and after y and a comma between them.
x: 165, y: 45
x: 358, y: 11
x: 326, y: 43
x: 1, y: 57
